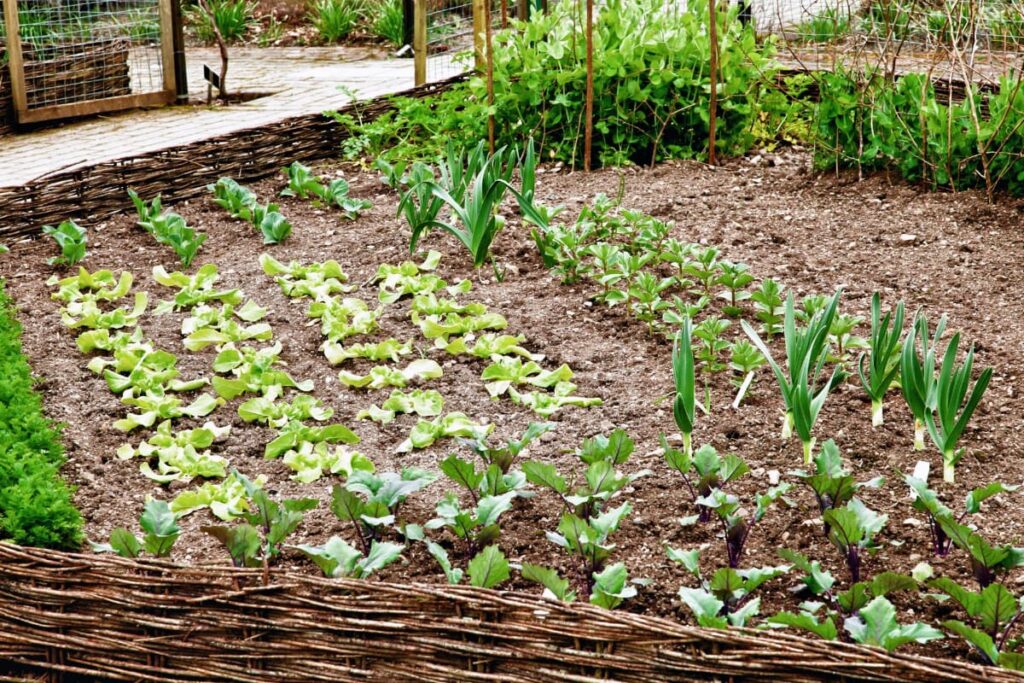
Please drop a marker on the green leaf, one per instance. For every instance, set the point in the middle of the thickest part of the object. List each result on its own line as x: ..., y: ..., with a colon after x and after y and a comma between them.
x: 544, y: 474
x: 979, y: 639
x: 488, y: 568
x: 610, y: 586
x: 823, y: 629
x: 453, y: 575
x: 688, y: 558
x: 335, y: 557
x: 876, y: 625
x: 124, y: 543
x: 380, y: 556
x: 554, y: 585
x: 704, y: 606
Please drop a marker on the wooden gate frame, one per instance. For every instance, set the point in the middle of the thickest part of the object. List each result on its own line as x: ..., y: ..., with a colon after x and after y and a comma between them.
x: 16, y: 65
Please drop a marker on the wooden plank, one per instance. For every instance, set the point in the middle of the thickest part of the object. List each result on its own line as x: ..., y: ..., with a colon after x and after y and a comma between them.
x: 419, y: 42
x: 14, y: 57
x: 64, y: 111
x: 167, y: 29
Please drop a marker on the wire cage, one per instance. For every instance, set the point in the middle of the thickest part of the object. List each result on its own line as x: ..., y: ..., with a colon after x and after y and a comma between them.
x: 75, y: 57
x: 449, y: 27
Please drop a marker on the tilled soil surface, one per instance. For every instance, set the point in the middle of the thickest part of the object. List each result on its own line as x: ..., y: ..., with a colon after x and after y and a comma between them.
x: 953, y: 254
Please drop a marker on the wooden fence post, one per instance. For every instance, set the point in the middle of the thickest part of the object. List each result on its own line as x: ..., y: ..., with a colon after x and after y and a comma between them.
x: 480, y: 23
x: 419, y: 41
x: 713, y: 104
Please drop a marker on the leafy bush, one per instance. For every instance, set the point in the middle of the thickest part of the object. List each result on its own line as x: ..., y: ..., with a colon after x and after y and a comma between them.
x: 388, y: 22
x: 335, y: 19
x: 35, y: 504
x: 650, y: 76
x: 232, y: 17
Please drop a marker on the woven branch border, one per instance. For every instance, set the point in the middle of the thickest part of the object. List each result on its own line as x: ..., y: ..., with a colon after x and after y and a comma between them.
x: 100, y: 190
x: 99, y: 617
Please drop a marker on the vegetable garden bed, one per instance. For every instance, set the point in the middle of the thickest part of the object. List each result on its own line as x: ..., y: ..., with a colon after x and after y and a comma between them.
x: 948, y: 253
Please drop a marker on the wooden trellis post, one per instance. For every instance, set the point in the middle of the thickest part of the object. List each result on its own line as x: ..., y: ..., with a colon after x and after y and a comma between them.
x: 419, y: 41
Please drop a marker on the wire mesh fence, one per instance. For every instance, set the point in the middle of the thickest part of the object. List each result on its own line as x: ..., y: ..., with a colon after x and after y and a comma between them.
x: 75, y: 51
x: 451, y: 26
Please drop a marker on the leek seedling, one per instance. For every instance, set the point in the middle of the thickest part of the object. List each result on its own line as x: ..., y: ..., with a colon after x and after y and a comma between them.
x: 805, y: 358
x: 917, y: 372
x: 950, y: 408
x: 682, y: 370
x: 884, y: 344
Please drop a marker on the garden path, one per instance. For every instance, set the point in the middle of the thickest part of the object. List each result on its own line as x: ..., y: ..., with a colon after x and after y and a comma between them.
x: 295, y: 82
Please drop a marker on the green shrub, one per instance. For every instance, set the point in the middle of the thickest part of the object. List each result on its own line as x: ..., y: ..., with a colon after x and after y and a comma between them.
x: 388, y: 22
x: 35, y: 503
x: 650, y: 79
x: 335, y: 19
x: 905, y: 126
x: 233, y: 18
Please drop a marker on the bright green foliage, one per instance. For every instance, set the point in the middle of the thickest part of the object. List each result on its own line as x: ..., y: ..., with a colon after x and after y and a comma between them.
x: 852, y: 530
x: 35, y: 504
x: 832, y: 485
x: 805, y: 357
x: 294, y: 434
x: 232, y: 18
x: 303, y: 184
x: 547, y: 404
x: 310, y: 461
x: 477, y: 526
x: 489, y: 568
x: 370, y: 501
x: 488, y: 345
x: 555, y: 587
x: 453, y: 324
x: 160, y: 531
x: 727, y: 597
x: 227, y: 499
x: 381, y: 376
x: 156, y: 405
x: 100, y: 285
x: 87, y: 313
x: 683, y: 405
x: 422, y: 402
x: 334, y: 20
x: 273, y: 522
x: 587, y: 541
x: 338, y: 559
x: 917, y: 372
x: 193, y: 290
x: 498, y: 477
x: 953, y: 407
x: 505, y: 372
x: 452, y: 425
x: 768, y: 307
x: 168, y: 228
x: 993, y: 612
x: 708, y: 469
x: 987, y: 561
x: 216, y: 326
x: 341, y: 318
x: 180, y: 455
x: 336, y: 193
x: 410, y: 279
x: 317, y: 280
x: 745, y: 359
x: 389, y: 349
x: 252, y: 370
x: 884, y: 358
x: 876, y: 625
x: 735, y: 277
x: 278, y: 414
x: 241, y: 203
x: 70, y: 237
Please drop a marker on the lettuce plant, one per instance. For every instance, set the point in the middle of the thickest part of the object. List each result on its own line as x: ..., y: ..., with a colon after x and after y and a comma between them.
x: 181, y: 455
x: 953, y: 407
x: 318, y: 281
x: 100, y: 285
x: 343, y: 318
x: 337, y: 193
x: 422, y: 402
x: 450, y: 426
x: 310, y: 460
x: 253, y: 371
x: 226, y: 499
x: 389, y: 349
x: 278, y: 414
x: 87, y: 313
x: 302, y: 183
x: 71, y: 239
x: 216, y: 326
x: 547, y: 404
x: 193, y: 289
x: 168, y: 228
x: 832, y: 485
x: 138, y: 369
x: 453, y: 324
x: 852, y: 530
x: 507, y: 371
x: 709, y: 472
x: 941, y: 517
x: 236, y: 199
x: 152, y: 406
x: 411, y: 279
x: 380, y: 376
x: 805, y: 358
x: 488, y: 345
x: 294, y: 434
x: 160, y: 531
x: 371, y: 502
x: 430, y: 304
x: 917, y: 372
x: 883, y: 362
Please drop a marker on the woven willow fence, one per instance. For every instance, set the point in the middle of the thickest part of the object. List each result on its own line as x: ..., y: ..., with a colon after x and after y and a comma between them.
x: 92, y: 617
x: 100, y: 190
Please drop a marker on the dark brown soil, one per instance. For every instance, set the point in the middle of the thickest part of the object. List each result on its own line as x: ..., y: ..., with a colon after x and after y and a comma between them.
x: 812, y: 232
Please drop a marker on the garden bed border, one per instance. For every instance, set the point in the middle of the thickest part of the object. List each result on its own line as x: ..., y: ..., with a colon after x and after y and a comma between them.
x: 71, y: 616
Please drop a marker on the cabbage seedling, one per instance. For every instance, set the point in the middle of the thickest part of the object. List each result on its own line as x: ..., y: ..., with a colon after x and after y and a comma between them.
x: 953, y: 407
x: 683, y: 405
x: 832, y: 485
x: 917, y: 372
x: 805, y: 358
x: 852, y: 530
x: 883, y: 360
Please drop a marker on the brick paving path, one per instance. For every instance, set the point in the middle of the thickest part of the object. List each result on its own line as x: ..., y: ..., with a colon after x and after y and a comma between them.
x: 297, y: 81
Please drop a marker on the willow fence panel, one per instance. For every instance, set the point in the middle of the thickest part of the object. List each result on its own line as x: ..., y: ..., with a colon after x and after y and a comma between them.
x: 98, y: 617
